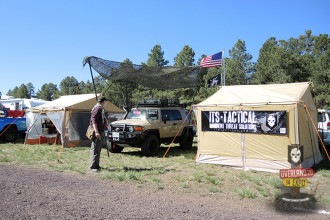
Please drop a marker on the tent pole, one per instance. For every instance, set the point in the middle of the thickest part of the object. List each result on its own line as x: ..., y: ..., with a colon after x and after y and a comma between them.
x: 224, y: 67
x: 243, y: 149
x: 93, y: 80
x: 311, y: 134
x: 195, y: 90
x: 27, y: 132
x: 243, y: 142
x: 195, y: 111
x: 127, y: 110
x: 296, y: 124
x: 63, y: 136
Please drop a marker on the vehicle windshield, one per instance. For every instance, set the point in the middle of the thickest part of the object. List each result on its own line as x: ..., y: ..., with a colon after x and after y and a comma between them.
x: 143, y: 114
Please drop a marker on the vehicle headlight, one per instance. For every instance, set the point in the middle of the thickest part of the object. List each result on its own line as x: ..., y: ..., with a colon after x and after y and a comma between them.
x: 109, y: 128
x: 131, y: 129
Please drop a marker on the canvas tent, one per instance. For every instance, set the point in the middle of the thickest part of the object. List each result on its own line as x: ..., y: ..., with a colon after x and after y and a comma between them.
x: 253, y: 126
x: 66, y: 118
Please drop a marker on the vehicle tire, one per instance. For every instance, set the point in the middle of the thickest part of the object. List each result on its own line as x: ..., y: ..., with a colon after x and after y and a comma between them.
x: 150, y: 145
x: 186, y: 140
x: 114, y: 148
x: 286, y: 203
x: 10, y: 135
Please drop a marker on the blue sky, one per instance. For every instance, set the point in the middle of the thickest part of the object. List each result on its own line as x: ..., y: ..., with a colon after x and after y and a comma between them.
x: 45, y: 41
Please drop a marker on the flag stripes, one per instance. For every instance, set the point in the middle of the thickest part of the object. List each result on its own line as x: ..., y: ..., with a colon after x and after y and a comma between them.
x: 212, y: 61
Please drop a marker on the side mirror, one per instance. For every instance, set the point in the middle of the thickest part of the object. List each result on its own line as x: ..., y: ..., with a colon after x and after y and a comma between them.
x: 166, y: 118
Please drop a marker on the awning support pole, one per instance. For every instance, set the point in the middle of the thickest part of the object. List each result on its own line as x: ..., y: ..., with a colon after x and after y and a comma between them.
x: 90, y: 67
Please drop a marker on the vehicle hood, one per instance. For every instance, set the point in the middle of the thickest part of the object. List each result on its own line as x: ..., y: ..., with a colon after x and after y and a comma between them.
x: 131, y: 122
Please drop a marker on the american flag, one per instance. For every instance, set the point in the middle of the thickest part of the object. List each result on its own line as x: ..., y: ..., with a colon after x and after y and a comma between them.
x: 212, y: 61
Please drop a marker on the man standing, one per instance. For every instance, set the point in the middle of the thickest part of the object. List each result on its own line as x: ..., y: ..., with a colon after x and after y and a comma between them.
x: 99, y: 123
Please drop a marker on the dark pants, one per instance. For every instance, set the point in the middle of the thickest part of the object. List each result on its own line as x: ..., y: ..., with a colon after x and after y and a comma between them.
x: 96, y: 147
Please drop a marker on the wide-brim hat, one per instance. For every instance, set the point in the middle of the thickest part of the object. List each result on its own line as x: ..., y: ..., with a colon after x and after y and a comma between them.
x: 102, y: 99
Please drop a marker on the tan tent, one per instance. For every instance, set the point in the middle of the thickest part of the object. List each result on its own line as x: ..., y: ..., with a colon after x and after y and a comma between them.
x: 66, y: 118
x: 253, y: 126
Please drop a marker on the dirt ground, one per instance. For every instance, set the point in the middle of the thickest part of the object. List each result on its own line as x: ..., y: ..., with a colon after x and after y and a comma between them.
x: 28, y: 193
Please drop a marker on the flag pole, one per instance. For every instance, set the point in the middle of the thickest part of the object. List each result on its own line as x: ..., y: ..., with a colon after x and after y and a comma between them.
x: 224, y: 67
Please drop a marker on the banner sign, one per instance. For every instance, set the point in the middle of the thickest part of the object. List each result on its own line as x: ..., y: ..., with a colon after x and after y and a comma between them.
x: 295, y: 182
x: 268, y: 122
x: 296, y: 173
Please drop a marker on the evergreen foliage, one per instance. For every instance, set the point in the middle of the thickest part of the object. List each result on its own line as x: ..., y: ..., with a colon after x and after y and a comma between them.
x: 156, y: 57
x: 185, y: 57
x: 239, y: 66
x: 68, y: 86
x: 48, y: 92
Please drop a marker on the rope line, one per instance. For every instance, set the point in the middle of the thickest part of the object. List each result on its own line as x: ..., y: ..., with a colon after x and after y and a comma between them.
x: 8, y: 127
x: 317, y: 131
x: 177, y: 133
x: 55, y: 140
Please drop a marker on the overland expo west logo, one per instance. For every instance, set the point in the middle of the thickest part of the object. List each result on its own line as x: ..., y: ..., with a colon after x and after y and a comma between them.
x: 295, y: 155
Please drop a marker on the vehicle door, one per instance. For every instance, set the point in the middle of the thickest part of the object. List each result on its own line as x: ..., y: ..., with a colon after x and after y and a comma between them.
x: 174, y: 120
x: 177, y: 122
x: 165, y: 125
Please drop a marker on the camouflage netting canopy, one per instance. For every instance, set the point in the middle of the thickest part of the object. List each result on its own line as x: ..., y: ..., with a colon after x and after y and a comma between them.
x: 153, y: 77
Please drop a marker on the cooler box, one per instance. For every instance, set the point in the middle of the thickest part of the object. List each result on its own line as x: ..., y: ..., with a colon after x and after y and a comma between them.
x: 42, y: 139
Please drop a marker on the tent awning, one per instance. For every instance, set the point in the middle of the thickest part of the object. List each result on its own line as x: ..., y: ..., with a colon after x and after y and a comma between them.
x: 81, y: 102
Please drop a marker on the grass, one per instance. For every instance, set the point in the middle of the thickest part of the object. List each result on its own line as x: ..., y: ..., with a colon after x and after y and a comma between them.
x: 254, y: 179
x: 155, y: 179
x: 273, y: 181
x: 177, y: 171
x: 210, y: 173
x: 262, y: 191
x: 325, y: 173
x: 244, y: 176
x: 213, y: 180
x: 246, y: 193
x: 181, y: 178
x: 326, y: 200
x: 198, y: 176
x: 213, y: 190
x: 122, y: 176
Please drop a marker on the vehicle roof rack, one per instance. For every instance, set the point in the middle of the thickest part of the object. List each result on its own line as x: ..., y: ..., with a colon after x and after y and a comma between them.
x: 159, y: 103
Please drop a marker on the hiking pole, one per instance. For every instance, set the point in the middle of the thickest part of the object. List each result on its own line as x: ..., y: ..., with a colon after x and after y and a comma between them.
x: 108, y: 149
